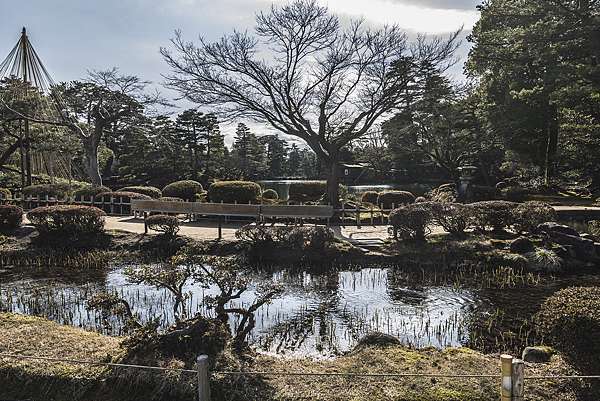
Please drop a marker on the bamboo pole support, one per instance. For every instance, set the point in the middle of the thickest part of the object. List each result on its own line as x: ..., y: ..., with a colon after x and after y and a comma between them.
x: 203, y: 380
x: 506, y: 362
x: 518, y: 380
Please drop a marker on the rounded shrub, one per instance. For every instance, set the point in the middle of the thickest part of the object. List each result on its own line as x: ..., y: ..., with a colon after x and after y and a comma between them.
x: 270, y: 194
x: 570, y: 321
x: 411, y: 221
x: 390, y: 199
x: 11, y: 217
x: 496, y: 215
x: 165, y: 224
x: 307, y: 191
x: 152, y: 192
x: 455, y: 218
x: 51, y: 190
x: 186, y: 190
x: 369, y: 197
x: 234, y: 192
x: 5, y: 193
x: 70, y: 221
x: 529, y: 215
x: 89, y: 192
x: 444, y: 193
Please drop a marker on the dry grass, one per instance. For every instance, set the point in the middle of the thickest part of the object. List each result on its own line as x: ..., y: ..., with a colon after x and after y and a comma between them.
x: 399, y: 359
x: 51, y: 381
x: 28, y: 335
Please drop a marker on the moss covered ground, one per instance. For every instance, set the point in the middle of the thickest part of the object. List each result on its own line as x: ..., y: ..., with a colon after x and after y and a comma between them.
x: 37, y: 380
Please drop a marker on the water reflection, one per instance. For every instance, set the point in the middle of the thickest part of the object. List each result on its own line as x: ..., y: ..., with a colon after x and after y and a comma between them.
x: 318, y: 314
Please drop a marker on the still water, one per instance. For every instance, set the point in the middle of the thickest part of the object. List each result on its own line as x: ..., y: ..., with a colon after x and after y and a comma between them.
x: 318, y: 315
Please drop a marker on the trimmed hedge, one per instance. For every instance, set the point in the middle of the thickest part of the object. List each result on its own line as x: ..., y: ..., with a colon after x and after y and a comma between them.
x: 165, y: 224
x: 51, y: 190
x: 234, y: 192
x: 11, y: 217
x: 570, y: 320
x: 186, y: 190
x: 5, y: 193
x: 70, y: 221
x: 309, y: 191
x: 90, y: 192
x: 496, y: 215
x: 369, y: 197
x: 531, y: 214
x: 411, y: 221
x: 455, y: 218
x: 270, y: 194
x: 152, y: 192
x: 390, y: 199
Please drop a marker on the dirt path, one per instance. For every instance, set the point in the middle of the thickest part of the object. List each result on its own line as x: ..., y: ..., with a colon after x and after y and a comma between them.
x: 208, y: 230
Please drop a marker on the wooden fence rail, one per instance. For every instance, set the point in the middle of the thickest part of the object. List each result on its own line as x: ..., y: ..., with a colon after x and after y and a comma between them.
x: 122, y: 206
x: 511, y: 375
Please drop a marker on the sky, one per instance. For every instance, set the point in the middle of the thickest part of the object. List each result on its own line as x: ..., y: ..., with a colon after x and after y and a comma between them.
x: 74, y: 36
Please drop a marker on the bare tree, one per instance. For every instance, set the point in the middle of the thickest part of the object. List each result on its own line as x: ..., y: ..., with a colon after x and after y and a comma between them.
x: 307, y: 75
x: 92, y: 108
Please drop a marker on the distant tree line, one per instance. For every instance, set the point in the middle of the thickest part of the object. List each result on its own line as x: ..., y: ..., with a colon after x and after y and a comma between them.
x: 339, y: 93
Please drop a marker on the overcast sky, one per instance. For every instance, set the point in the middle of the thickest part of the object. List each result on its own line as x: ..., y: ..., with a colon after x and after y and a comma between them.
x: 73, y: 36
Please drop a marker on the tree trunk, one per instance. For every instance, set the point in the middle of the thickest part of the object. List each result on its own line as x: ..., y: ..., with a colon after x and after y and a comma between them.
x: 551, y: 144
x: 333, y: 190
x: 90, y: 147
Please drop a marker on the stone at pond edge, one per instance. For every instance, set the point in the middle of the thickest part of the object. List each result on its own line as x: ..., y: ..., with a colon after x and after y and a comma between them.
x: 538, y: 354
x: 521, y: 245
x: 557, y: 228
x: 377, y: 339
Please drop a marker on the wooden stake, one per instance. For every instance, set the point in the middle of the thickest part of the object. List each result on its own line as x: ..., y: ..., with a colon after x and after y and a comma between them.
x: 506, y: 385
x: 203, y: 380
x: 518, y: 380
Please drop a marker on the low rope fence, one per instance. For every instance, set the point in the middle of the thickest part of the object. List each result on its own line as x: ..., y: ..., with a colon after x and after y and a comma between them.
x: 511, y: 376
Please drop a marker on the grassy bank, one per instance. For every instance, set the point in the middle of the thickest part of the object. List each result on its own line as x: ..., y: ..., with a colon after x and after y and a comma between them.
x: 37, y: 380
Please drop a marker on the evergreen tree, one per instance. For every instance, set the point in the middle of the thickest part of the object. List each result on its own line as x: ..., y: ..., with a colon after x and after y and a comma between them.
x: 248, y: 154
x: 276, y: 156
x: 537, y: 62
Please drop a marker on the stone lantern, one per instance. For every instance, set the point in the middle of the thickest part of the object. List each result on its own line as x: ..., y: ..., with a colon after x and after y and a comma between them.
x: 466, y: 175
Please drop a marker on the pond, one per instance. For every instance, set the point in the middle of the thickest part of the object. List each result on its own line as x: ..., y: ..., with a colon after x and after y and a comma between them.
x: 282, y: 187
x: 318, y: 315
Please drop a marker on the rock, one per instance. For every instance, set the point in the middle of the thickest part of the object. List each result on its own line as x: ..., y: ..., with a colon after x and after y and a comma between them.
x: 377, y: 339
x: 538, y: 354
x: 522, y: 245
x: 584, y: 249
x: 557, y: 228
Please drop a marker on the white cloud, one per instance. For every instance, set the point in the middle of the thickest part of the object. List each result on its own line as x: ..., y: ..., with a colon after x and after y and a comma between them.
x: 409, y: 17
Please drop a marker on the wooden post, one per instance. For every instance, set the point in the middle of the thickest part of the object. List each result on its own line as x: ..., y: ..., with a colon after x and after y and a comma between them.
x: 220, y: 219
x: 357, y: 216
x: 518, y: 380
x: 203, y: 381
x: 506, y: 362
x: 372, y: 221
x: 145, y: 223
